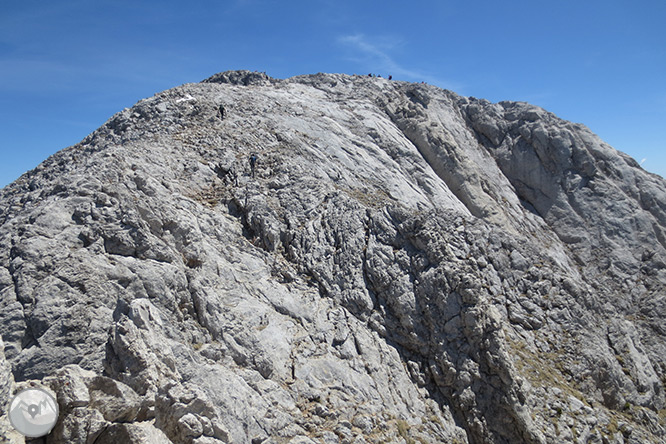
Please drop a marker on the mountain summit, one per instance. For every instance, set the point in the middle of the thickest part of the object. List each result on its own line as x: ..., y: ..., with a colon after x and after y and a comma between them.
x: 336, y: 259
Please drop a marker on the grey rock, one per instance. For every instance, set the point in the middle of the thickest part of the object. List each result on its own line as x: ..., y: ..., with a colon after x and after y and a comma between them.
x: 134, y: 432
x: 71, y: 384
x: 7, y: 432
x: 404, y: 265
x: 116, y: 401
x: 81, y: 425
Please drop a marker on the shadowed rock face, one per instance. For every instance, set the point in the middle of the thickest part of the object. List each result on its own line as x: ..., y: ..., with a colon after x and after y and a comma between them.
x: 406, y: 265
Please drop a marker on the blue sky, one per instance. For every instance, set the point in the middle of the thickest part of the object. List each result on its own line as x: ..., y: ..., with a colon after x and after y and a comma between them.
x: 66, y: 66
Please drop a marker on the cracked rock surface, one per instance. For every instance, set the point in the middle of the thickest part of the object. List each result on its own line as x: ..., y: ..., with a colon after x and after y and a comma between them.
x: 403, y: 265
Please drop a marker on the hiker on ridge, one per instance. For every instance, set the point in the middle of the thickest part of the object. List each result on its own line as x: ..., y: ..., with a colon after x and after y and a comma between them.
x: 253, y: 162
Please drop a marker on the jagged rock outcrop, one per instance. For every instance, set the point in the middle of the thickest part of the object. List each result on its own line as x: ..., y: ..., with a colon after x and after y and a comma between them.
x: 405, y: 265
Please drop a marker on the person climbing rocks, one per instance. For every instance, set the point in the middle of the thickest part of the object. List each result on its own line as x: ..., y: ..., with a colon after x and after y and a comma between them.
x: 390, y: 77
x: 221, y: 112
x: 253, y: 162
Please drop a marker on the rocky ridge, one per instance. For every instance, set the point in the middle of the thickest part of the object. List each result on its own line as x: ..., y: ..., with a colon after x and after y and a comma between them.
x: 406, y: 265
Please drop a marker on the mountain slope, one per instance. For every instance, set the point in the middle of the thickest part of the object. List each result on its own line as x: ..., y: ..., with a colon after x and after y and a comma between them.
x: 403, y: 265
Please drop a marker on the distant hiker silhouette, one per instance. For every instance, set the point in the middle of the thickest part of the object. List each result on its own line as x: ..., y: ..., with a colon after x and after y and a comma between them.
x: 253, y: 162
x: 221, y: 112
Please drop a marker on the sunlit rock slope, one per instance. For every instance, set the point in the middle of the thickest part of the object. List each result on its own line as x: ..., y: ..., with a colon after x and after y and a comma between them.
x: 403, y: 265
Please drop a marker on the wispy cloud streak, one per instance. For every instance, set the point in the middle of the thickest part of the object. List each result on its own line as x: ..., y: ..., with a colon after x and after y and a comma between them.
x: 375, y: 55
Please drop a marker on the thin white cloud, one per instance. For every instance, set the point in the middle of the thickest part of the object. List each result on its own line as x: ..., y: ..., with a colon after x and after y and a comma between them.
x: 374, y: 56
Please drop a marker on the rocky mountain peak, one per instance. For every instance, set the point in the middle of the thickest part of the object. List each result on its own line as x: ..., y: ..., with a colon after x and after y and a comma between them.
x: 242, y: 77
x: 336, y: 259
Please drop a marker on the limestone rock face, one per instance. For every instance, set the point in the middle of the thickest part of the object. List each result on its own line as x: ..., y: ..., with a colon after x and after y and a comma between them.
x: 402, y: 264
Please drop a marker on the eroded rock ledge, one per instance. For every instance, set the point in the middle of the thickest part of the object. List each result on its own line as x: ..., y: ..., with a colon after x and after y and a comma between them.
x: 405, y: 265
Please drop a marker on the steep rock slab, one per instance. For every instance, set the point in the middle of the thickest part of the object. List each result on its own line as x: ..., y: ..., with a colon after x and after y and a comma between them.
x: 394, y: 270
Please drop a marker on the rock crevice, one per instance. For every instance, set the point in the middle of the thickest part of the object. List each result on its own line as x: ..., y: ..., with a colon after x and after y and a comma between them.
x: 403, y: 265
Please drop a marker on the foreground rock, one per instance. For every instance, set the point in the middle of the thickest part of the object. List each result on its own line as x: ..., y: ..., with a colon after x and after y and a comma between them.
x: 405, y: 265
